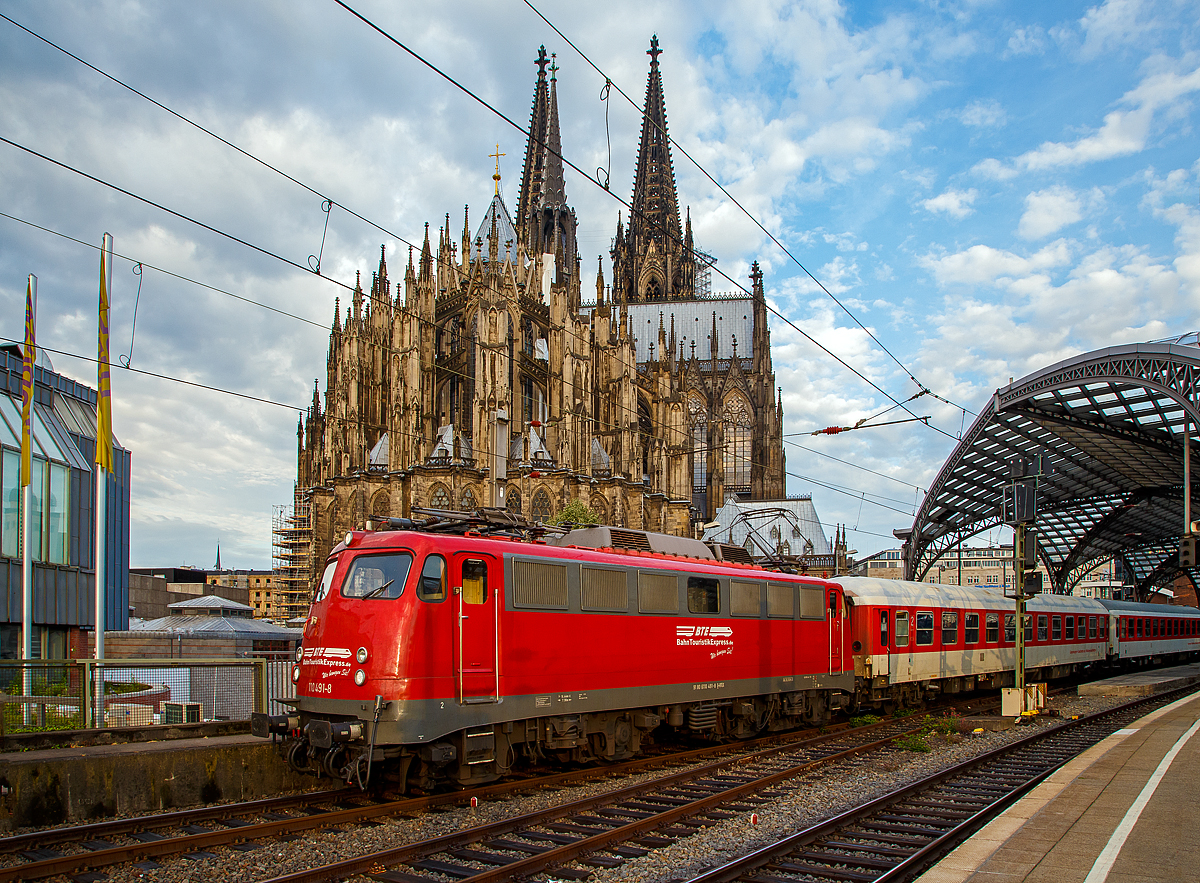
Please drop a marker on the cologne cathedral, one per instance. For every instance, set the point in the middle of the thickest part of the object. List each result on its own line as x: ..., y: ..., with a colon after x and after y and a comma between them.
x: 486, y: 379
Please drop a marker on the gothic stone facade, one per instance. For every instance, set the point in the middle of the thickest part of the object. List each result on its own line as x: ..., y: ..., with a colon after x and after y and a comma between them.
x: 484, y: 380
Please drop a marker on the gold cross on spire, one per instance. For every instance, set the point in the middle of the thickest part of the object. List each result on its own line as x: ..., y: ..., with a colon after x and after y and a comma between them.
x: 496, y: 177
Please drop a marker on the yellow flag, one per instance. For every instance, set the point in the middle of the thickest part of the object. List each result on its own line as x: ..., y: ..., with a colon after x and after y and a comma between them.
x: 104, y: 387
x: 30, y: 356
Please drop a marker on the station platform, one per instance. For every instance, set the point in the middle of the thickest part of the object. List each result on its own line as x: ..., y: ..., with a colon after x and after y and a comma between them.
x: 1144, y: 683
x: 1119, y: 813
x: 54, y: 785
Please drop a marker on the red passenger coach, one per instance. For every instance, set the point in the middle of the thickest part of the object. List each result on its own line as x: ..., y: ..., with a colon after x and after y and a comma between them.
x: 445, y: 658
x: 915, y: 640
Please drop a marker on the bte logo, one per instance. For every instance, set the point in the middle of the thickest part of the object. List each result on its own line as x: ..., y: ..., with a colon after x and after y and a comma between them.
x: 703, y: 631
x: 326, y: 653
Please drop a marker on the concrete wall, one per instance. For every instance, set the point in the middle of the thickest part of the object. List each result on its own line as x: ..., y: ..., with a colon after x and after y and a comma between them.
x: 149, y: 596
x: 53, y: 786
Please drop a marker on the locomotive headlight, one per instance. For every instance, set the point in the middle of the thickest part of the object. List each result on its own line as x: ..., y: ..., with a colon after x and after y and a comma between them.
x: 360, y: 677
x: 349, y: 538
x: 361, y: 656
x: 299, y: 653
x: 295, y: 674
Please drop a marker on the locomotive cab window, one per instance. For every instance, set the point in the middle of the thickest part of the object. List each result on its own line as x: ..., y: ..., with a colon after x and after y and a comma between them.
x: 971, y: 628
x: 901, y: 628
x: 432, y: 586
x: 950, y: 629
x: 924, y: 629
x: 377, y: 576
x: 703, y: 594
x: 993, y: 628
x: 326, y: 581
x: 474, y: 582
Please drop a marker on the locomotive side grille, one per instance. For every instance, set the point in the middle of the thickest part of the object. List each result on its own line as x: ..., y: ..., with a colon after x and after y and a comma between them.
x: 745, y: 599
x: 658, y: 592
x: 812, y: 602
x: 539, y: 585
x: 779, y: 600
x: 603, y: 589
x: 629, y: 539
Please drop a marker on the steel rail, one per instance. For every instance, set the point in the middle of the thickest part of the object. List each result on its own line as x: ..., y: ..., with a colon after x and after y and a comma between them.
x: 910, y: 866
x: 374, y: 862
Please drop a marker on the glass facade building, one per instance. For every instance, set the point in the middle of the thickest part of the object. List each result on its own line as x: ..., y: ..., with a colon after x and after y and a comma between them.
x: 62, y: 530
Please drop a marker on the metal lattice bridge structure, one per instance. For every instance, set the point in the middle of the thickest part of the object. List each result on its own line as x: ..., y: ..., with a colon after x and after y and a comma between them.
x: 1111, y: 424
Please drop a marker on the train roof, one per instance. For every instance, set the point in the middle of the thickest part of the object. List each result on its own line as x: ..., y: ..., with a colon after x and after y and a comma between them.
x: 893, y: 592
x: 1136, y: 607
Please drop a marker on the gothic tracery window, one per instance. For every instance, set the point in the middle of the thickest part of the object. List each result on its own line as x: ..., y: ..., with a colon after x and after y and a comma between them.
x: 439, y: 499
x: 739, y: 431
x: 468, y: 500
x: 541, y: 505
x: 513, y: 502
x: 698, y: 421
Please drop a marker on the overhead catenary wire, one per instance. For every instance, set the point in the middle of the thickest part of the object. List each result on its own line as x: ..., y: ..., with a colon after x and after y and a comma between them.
x: 327, y: 200
x: 392, y: 39
x: 609, y: 83
x: 280, y: 257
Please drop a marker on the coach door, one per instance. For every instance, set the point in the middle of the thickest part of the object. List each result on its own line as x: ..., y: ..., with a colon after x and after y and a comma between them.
x: 476, y: 622
x: 834, y: 605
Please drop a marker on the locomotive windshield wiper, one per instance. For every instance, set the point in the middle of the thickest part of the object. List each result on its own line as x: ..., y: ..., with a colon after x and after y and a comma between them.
x: 375, y: 591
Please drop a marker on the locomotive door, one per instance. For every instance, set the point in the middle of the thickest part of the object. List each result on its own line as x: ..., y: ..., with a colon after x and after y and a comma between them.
x: 477, y: 625
x: 835, y: 630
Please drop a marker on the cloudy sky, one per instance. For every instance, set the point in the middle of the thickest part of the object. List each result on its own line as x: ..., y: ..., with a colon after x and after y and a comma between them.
x: 989, y: 187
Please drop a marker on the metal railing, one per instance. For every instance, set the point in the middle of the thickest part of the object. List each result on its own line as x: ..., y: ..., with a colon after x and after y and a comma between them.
x: 69, y: 694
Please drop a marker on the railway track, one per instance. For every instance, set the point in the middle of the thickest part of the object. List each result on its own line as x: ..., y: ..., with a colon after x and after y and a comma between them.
x: 247, y: 825
x: 900, y: 835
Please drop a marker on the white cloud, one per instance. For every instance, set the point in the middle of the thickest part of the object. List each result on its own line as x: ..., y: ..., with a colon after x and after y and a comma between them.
x: 994, y: 169
x: 1027, y: 41
x: 956, y: 203
x: 1048, y: 211
x: 1112, y: 24
x: 983, y: 114
x: 984, y: 265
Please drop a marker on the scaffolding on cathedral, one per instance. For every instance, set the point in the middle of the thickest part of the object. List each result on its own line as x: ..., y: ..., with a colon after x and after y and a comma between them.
x: 291, y: 547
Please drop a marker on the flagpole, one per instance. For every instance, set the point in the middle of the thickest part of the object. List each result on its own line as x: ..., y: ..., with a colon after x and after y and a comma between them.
x: 27, y: 395
x: 103, y: 461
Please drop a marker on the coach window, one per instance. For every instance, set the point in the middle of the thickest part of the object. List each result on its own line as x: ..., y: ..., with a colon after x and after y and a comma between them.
x: 992, y: 635
x: 1056, y: 628
x: 971, y: 628
x: 901, y: 628
x: 1029, y: 627
x: 1042, y: 627
x: 703, y: 594
x: 1138, y: 623
x: 377, y: 576
x: 1010, y: 628
x: 433, y: 579
x: 924, y: 629
x: 474, y: 582
x: 1082, y: 627
x: 883, y: 629
x: 950, y: 628
x: 1154, y: 628
x: 1069, y: 625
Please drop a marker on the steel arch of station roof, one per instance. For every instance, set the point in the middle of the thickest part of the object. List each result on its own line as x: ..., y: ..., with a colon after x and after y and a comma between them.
x: 1111, y: 423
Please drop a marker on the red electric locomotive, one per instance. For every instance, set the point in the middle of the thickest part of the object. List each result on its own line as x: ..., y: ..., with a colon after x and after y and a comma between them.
x: 446, y: 658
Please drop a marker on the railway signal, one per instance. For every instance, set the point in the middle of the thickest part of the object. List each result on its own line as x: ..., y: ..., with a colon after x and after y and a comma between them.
x: 1019, y: 509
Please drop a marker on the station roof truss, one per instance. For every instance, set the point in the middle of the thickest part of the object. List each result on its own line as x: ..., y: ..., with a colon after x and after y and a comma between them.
x: 1111, y: 424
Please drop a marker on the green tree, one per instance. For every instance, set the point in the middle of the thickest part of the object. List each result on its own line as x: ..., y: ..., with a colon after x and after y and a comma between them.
x: 574, y: 513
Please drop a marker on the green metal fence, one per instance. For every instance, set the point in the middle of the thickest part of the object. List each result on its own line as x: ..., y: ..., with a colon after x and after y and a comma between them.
x: 72, y: 694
